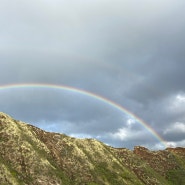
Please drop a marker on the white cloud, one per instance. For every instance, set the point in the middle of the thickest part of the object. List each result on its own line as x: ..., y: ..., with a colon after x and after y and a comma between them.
x: 81, y: 136
x: 177, y: 127
x: 157, y: 146
x: 180, y: 98
x: 121, y: 134
x: 130, y: 122
x: 124, y: 133
x: 176, y: 144
x: 171, y: 144
x: 128, y: 134
x: 177, y: 103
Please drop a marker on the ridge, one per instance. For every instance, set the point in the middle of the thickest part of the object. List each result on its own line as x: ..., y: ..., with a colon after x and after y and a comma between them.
x: 29, y: 155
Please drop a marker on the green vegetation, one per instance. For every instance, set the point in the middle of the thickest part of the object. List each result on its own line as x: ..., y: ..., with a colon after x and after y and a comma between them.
x: 176, y: 176
x: 29, y: 155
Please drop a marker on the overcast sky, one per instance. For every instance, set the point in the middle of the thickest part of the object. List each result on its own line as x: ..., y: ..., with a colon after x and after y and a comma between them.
x: 131, y: 52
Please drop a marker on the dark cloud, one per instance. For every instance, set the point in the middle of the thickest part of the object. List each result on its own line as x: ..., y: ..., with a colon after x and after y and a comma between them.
x: 131, y: 53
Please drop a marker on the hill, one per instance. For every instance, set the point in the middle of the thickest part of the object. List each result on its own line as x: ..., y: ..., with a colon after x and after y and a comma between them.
x: 29, y: 155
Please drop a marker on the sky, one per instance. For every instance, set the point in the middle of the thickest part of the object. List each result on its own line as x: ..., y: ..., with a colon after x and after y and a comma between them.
x: 131, y: 52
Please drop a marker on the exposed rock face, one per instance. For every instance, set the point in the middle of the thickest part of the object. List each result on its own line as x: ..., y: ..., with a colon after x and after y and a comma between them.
x: 29, y: 155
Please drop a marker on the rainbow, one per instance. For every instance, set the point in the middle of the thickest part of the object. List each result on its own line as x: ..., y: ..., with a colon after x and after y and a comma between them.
x: 91, y: 95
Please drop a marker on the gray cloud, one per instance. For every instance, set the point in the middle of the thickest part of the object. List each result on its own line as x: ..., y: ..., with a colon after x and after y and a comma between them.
x: 127, y: 51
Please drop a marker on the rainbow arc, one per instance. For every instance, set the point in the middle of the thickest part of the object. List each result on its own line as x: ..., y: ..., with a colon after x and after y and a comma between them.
x: 91, y: 95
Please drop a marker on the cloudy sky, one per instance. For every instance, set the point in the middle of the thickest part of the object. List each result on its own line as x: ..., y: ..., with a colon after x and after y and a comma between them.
x: 131, y: 52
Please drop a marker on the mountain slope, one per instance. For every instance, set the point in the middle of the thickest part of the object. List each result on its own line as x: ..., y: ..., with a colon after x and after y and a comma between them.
x: 29, y: 155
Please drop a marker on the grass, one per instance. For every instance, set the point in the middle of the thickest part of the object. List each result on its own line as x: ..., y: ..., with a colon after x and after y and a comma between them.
x: 176, y: 177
